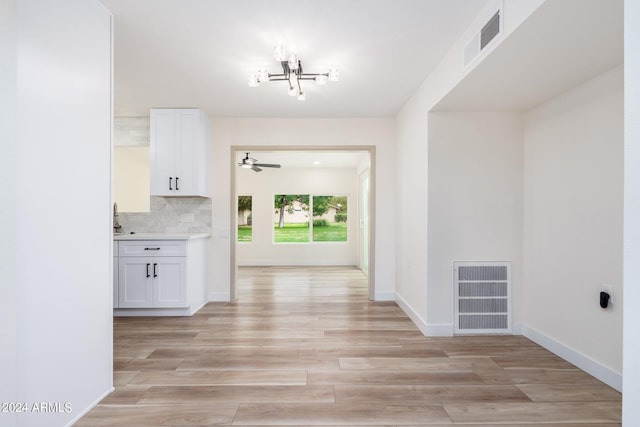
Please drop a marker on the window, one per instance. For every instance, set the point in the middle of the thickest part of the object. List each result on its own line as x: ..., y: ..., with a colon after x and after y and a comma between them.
x: 292, y: 220
x: 245, y: 231
x: 329, y: 218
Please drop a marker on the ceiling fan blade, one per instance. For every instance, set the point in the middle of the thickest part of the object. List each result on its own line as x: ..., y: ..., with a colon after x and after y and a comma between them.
x: 267, y: 165
x: 256, y: 168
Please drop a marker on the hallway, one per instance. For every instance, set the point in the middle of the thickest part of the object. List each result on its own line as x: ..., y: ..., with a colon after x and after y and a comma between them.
x: 304, y: 346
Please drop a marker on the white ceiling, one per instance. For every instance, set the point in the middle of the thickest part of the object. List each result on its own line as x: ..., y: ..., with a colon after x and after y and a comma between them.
x: 560, y: 46
x: 198, y: 53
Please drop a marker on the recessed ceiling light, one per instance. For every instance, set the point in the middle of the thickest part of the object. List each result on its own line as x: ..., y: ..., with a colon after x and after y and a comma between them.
x: 316, y: 162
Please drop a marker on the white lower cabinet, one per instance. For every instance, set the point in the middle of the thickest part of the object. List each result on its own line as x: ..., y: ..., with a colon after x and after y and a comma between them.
x: 169, y: 276
x: 169, y: 287
x: 146, y: 282
x: 115, y: 275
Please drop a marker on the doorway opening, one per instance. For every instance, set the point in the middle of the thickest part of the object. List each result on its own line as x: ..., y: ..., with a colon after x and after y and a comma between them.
x: 307, y: 206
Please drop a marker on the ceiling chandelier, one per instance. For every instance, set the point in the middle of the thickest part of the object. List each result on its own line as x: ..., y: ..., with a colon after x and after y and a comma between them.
x: 292, y: 74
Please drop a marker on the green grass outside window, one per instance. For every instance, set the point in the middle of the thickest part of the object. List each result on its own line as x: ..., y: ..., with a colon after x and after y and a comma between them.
x: 299, y: 233
x: 244, y: 233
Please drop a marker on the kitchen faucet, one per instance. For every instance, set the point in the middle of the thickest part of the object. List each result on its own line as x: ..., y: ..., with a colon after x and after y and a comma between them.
x: 116, y: 225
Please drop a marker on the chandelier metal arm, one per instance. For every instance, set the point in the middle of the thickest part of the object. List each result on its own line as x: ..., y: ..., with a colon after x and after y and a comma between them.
x: 310, y: 76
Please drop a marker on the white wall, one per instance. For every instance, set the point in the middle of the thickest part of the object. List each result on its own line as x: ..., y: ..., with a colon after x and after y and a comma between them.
x: 573, y: 224
x: 8, y: 218
x: 411, y: 227
x: 131, y: 179
x: 63, y: 185
x: 475, y: 203
x: 131, y: 164
x: 428, y: 303
x: 631, y: 363
x: 314, y: 181
x: 413, y: 147
x: 228, y: 132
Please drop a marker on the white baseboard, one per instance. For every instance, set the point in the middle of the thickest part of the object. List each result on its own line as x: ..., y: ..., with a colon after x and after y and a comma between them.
x: 433, y: 330
x: 90, y: 407
x: 385, y: 296
x: 198, y: 308
x: 219, y: 297
x: 601, y: 372
x: 143, y: 312
x: 440, y: 330
x: 415, y: 317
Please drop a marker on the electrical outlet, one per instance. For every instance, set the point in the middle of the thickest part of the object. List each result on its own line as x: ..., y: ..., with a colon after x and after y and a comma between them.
x: 188, y: 217
x: 605, y: 287
x: 608, y: 288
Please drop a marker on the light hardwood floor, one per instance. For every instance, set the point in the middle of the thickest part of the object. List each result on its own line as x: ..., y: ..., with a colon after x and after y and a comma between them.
x: 304, y: 346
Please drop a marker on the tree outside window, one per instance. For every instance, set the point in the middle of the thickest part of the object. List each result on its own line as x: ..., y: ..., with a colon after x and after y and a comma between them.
x: 245, y: 219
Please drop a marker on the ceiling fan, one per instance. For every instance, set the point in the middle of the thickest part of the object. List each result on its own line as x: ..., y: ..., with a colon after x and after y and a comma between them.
x: 250, y: 163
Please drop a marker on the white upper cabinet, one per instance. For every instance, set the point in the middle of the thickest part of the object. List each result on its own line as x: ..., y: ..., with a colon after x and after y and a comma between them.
x: 180, y: 141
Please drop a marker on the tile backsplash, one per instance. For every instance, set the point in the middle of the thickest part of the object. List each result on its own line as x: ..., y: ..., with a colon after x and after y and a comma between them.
x: 166, y: 216
x: 131, y: 131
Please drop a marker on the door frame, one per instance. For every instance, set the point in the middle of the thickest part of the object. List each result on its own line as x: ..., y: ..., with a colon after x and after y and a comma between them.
x: 363, y: 226
x: 233, y: 192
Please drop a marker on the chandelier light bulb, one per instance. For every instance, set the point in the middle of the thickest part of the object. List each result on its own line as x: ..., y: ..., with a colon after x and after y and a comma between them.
x: 292, y: 91
x: 263, y: 75
x: 279, y: 54
x: 301, y: 96
x: 293, y: 62
x: 321, y: 79
x: 252, y: 81
x: 333, y: 75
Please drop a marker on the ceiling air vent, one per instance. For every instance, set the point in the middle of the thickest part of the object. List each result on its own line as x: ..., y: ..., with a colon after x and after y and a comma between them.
x: 490, y: 30
x: 480, y: 40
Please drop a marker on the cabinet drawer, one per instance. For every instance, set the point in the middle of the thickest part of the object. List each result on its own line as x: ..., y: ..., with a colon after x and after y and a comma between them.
x: 153, y: 248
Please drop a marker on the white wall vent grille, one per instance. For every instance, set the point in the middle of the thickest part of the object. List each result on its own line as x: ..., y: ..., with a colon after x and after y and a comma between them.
x: 490, y: 30
x: 481, y: 40
x: 482, y: 297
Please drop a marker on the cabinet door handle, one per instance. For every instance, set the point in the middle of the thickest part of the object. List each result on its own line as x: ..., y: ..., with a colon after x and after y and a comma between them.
x: 154, y: 270
x: 148, y: 275
x: 177, y: 183
x: 170, y: 181
x: 151, y: 249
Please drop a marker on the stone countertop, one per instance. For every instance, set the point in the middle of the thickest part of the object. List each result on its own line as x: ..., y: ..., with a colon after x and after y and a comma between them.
x: 160, y: 236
